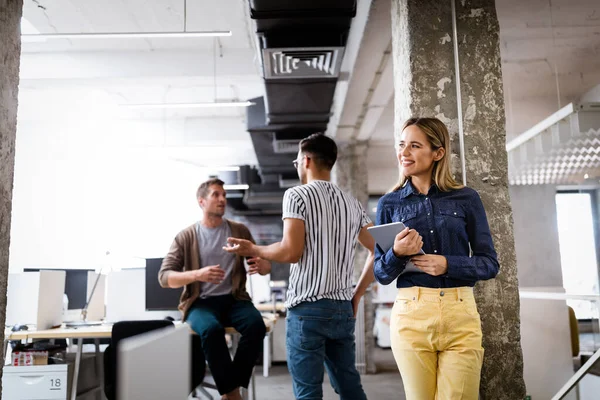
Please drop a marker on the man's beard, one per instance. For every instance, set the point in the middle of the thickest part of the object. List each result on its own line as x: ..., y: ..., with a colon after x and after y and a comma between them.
x: 216, y: 213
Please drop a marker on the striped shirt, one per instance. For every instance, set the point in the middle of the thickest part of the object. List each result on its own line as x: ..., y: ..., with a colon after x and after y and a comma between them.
x: 332, y: 222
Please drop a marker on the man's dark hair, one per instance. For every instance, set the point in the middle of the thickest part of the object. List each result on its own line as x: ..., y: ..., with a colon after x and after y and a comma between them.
x: 321, y: 149
x: 205, y: 187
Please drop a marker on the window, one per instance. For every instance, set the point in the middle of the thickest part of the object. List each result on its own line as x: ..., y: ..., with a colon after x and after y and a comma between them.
x: 577, y: 245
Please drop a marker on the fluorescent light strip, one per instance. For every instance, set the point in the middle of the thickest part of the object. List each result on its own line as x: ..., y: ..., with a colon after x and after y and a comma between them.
x: 223, y: 169
x: 125, y: 35
x: 236, y: 187
x: 188, y: 105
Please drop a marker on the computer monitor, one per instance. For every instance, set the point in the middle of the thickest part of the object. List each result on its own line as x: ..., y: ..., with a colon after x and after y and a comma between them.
x: 155, y: 365
x: 76, y: 287
x: 157, y: 297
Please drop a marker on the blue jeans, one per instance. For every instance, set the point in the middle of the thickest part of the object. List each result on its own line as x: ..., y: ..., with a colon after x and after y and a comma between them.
x: 208, y: 318
x: 320, y: 335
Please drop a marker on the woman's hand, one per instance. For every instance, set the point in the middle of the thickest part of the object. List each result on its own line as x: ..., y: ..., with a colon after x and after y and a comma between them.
x: 407, y: 243
x: 431, y: 264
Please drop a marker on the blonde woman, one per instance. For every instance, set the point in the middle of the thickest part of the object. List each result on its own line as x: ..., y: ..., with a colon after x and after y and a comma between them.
x: 435, y: 326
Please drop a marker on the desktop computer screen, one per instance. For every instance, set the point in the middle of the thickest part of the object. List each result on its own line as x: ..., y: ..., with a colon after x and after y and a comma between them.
x: 158, y: 298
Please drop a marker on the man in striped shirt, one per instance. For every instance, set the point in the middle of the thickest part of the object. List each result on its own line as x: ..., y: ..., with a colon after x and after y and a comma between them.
x: 321, y: 226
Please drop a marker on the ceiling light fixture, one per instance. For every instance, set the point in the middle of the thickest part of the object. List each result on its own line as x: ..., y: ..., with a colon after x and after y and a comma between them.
x: 188, y: 105
x: 124, y: 35
x: 226, y: 168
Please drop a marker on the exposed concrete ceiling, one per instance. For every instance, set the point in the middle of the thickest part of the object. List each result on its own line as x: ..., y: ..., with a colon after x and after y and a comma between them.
x: 550, y: 56
x: 75, y: 16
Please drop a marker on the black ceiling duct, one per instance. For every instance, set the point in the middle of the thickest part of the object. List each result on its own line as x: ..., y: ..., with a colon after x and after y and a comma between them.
x: 301, y: 45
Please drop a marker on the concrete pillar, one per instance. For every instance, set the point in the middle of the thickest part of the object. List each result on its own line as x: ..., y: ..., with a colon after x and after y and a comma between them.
x: 424, y: 80
x: 350, y: 173
x: 350, y: 170
x: 10, y: 53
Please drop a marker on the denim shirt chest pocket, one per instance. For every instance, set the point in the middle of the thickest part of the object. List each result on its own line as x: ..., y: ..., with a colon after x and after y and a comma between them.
x: 453, y: 217
x: 406, y: 214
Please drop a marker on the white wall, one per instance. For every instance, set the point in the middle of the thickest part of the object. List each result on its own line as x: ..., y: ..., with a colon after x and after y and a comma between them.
x: 536, y: 235
x: 84, y: 188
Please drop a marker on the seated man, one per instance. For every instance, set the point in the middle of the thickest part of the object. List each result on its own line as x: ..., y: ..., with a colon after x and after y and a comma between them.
x: 214, y: 294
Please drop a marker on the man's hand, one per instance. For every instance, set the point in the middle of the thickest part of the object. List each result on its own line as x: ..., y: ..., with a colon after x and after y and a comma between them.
x: 241, y: 247
x: 407, y: 243
x: 431, y: 264
x: 257, y: 265
x: 211, y: 274
x: 355, y: 303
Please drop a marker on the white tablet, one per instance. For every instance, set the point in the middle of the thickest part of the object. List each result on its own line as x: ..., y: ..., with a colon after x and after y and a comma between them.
x: 385, y: 234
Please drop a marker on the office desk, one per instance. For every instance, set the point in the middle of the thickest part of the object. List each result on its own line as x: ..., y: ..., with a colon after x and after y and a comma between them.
x: 105, y: 331
x: 78, y: 334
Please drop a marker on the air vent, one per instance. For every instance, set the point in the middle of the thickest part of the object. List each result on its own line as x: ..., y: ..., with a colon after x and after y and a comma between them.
x: 302, y: 62
x: 286, y: 142
x: 289, y: 146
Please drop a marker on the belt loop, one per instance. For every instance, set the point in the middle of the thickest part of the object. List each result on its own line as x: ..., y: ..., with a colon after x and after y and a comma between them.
x: 417, y: 292
x: 467, y: 292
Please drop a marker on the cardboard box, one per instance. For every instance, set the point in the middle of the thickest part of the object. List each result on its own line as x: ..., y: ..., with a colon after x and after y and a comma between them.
x: 29, y: 358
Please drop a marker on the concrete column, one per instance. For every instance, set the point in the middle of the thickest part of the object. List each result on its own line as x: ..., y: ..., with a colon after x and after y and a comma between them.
x: 350, y: 173
x: 350, y: 170
x: 424, y: 80
x: 10, y: 52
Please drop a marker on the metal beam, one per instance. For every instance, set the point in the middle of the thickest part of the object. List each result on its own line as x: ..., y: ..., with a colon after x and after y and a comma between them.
x: 541, y: 127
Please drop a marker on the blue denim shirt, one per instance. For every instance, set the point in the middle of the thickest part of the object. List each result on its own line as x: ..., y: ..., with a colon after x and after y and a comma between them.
x: 448, y: 223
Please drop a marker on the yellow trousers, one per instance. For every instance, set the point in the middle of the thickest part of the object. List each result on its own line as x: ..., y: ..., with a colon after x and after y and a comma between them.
x: 436, y: 340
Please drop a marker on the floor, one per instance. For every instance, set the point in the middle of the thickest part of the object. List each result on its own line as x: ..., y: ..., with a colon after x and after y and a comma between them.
x: 386, y: 384
x: 589, y: 342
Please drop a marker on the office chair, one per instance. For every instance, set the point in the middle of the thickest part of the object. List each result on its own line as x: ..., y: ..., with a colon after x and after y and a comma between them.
x: 574, y: 329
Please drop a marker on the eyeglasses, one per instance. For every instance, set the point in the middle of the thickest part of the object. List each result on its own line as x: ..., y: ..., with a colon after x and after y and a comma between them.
x: 296, y: 162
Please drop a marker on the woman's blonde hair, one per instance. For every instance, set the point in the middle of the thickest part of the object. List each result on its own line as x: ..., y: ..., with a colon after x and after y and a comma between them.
x: 438, y: 137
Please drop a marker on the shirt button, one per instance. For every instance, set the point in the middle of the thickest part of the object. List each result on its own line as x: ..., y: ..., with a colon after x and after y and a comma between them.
x: 454, y: 213
x: 442, y: 293
x: 427, y: 213
x: 431, y: 231
x: 435, y: 251
x: 426, y: 198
